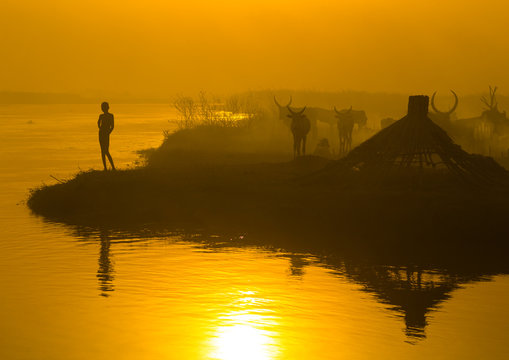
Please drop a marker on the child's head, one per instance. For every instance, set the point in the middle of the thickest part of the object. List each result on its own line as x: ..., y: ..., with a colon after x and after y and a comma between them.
x: 105, y: 106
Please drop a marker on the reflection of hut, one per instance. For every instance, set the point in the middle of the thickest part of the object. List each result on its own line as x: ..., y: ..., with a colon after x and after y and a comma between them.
x: 416, y: 145
x: 409, y: 290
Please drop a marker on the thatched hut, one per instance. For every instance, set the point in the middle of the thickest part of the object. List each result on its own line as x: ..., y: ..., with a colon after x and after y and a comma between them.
x: 415, y: 148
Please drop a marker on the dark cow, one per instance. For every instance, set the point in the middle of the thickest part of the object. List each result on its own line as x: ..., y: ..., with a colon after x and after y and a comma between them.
x: 300, y: 127
x: 314, y: 114
x: 345, y: 123
x: 493, y: 115
x: 358, y: 116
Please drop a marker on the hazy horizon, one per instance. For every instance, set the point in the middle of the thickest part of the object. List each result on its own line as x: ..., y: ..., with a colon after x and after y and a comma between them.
x: 157, y: 48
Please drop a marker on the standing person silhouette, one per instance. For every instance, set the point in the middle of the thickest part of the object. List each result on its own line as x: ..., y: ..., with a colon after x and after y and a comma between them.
x: 105, y: 124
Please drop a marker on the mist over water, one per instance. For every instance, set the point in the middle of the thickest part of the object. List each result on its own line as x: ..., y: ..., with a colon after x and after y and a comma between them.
x: 81, y: 293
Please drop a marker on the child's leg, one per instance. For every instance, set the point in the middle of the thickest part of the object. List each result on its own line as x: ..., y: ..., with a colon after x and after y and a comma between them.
x: 103, y: 156
x: 110, y: 159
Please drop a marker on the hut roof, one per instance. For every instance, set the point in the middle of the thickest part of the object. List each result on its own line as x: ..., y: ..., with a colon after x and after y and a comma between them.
x: 416, y: 142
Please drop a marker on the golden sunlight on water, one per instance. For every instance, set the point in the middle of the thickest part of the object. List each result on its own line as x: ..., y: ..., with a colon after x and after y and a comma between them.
x: 77, y: 293
x: 244, y: 334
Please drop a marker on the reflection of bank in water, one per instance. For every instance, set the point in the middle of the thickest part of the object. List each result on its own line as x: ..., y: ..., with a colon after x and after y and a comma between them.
x: 406, y: 286
x: 105, y: 271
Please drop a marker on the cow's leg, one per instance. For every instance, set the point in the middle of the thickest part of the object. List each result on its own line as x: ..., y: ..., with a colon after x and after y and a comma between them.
x: 296, y: 146
x: 304, y: 145
x: 339, y: 143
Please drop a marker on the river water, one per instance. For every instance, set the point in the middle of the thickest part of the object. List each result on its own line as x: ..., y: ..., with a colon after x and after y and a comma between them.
x: 74, y: 293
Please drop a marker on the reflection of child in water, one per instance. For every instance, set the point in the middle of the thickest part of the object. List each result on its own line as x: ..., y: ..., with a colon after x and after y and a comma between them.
x: 323, y: 149
x: 105, y: 124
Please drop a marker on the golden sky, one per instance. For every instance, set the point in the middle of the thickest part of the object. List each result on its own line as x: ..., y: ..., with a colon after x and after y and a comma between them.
x: 159, y: 47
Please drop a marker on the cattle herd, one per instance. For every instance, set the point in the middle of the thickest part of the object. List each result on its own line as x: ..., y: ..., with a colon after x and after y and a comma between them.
x: 307, y: 119
x: 486, y: 134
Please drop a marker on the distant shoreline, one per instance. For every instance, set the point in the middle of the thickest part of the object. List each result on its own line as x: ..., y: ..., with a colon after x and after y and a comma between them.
x: 36, y: 98
x: 383, y: 104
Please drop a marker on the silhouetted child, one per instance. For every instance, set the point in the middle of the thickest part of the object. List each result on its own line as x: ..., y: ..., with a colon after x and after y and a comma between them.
x: 105, y: 124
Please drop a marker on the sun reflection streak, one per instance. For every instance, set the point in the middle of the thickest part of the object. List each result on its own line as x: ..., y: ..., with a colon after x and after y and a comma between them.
x: 247, y: 333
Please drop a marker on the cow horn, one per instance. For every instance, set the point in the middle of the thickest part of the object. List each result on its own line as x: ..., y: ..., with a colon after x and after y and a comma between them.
x: 455, y: 103
x: 345, y: 112
x: 279, y: 105
x: 433, y: 104
x: 446, y: 112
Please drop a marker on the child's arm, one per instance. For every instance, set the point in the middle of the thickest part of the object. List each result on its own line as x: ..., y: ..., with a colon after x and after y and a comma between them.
x: 112, y: 123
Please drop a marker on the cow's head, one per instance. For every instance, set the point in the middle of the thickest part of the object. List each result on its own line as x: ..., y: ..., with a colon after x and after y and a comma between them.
x: 343, y: 114
x: 492, y: 113
x: 295, y: 114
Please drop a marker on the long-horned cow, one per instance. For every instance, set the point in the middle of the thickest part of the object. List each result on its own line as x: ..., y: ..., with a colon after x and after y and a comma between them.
x: 314, y: 114
x: 345, y: 122
x: 358, y: 116
x: 443, y: 118
x: 300, y: 127
x: 492, y: 114
x: 491, y: 131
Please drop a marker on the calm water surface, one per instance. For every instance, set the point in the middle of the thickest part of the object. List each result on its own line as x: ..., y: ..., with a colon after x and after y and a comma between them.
x: 69, y: 293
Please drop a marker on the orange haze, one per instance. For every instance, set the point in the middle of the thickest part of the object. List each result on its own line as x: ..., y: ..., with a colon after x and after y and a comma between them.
x: 159, y: 47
